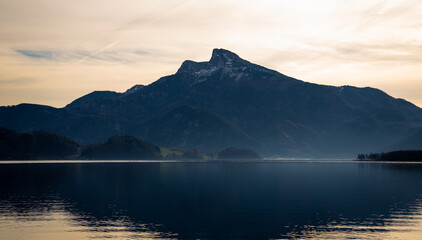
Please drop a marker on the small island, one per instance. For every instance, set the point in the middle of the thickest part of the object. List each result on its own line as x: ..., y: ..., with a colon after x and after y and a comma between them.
x: 395, y: 156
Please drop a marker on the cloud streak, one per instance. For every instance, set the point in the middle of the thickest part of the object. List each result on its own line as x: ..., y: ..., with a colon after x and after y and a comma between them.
x: 19, y: 81
x: 118, y: 56
x: 136, y: 22
x: 36, y: 54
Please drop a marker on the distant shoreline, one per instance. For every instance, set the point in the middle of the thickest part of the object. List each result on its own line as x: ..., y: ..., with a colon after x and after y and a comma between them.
x: 216, y: 161
x: 395, y: 156
x: 45, y: 145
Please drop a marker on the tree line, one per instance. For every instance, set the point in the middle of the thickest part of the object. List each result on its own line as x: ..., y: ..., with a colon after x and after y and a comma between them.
x: 401, y: 156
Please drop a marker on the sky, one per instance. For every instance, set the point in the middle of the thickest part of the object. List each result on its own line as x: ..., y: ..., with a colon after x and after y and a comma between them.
x: 52, y: 52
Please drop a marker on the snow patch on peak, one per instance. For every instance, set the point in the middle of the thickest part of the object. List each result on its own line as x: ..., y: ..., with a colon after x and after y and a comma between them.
x: 201, y: 75
x: 205, y: 72
x: 134, y: 89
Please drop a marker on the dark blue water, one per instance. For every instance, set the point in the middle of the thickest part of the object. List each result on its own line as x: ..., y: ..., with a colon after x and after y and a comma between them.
x: 198, y: 200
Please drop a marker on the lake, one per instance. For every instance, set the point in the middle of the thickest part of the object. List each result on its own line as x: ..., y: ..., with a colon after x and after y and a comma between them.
x: 211, y: 200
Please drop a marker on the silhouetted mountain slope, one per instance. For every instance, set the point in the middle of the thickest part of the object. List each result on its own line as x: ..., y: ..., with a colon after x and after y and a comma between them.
x: 84, y: 128
x: 288, y: 116
x: 411, y: 142
x: 94, y: 99
x: 29, y: 117
x: 134, y: 89
x: 35, y: 145
x: 235, y: 153
x: 185, y: 126
x: 379, y: 104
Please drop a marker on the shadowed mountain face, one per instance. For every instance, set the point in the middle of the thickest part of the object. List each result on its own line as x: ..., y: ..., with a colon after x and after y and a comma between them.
x: 411, y: 142
x: 185, y: 126
x: 231, y: 101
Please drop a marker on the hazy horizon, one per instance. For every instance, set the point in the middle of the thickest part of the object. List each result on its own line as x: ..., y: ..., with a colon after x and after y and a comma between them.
x: 54, y: 52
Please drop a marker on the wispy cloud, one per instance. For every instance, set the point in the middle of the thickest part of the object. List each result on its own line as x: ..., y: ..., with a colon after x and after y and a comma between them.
x: 345, y: 52
x: 36, y: 54
x: 123, y: 56
x: 140, y: 21
x: 385, y: 15
x: 16, y: 81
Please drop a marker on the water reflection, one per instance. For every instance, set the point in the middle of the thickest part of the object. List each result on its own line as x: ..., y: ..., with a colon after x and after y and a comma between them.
x: 401, y: 225
x: 59, y: 224
x: 210, y: 200
x: 53, y: 220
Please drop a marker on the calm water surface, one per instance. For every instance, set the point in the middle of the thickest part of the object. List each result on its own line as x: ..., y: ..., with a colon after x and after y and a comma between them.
x: 211, y: 200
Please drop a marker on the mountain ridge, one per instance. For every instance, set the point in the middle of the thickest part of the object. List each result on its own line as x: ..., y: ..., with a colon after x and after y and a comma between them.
x: 288, y: 116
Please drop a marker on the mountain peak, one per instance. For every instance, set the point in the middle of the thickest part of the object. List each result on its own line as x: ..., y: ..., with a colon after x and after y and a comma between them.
x: 188, y: 66
x: 220, y: 58
x: 223, y: 56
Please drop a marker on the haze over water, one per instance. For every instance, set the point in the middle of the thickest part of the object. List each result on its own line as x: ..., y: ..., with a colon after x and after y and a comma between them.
x: 208, y: 200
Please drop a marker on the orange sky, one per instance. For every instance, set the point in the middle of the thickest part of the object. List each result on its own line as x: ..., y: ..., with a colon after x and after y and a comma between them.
x: 52, y: 52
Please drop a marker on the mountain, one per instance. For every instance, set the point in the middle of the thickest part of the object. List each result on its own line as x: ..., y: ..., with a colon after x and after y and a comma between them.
x: 185, y: 126
x: 229, y: 100
x: 94, y: 99
x: 35, y: 145
x: 411, y: 142
x: 235, y: 153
